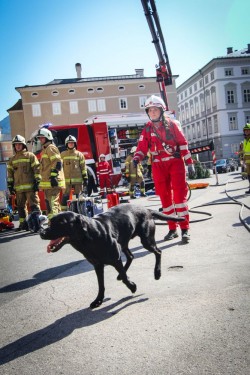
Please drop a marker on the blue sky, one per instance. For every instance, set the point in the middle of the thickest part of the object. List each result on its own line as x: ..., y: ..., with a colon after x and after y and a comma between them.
x: 41, y: 40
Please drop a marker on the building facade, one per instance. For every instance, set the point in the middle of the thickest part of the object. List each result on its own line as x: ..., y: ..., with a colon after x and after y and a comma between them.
x: 214, y: 103
x: 72, y: 101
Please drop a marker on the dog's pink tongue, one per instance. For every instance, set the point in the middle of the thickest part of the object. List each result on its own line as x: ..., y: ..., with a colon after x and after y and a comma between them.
x: 50, y: 246
x: 48, y: 249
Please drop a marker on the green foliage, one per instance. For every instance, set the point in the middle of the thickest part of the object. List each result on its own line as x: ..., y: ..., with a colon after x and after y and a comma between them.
x: 200, y: 172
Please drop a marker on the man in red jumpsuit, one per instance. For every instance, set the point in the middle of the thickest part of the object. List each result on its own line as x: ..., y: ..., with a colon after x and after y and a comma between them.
x: 168, y: 147
x: 103, y: 172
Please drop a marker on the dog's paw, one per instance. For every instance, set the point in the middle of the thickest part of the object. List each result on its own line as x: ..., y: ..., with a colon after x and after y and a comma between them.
x: 157, y: 274
x: 96, y: 303
x: 132, y: 287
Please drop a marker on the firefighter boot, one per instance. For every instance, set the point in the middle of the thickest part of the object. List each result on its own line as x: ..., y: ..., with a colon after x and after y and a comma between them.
x: 171, y: 235
x: 185, y: 236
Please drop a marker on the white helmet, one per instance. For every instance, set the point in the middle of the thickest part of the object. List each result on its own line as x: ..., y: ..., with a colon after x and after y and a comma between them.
x: 133, y: 149
x: 102, y: 156
x: 19, y: 139
x: 70, y: 138
x: 45, y: 133
x: 155, y: 101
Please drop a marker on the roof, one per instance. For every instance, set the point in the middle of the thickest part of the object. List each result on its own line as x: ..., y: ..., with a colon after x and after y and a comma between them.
x: 18, y: 106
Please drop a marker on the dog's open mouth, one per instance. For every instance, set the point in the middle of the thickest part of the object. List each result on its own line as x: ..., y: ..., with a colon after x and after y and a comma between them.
x: 56, y: 245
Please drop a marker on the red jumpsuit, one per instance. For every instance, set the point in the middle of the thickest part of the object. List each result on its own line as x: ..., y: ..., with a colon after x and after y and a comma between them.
x: 169, y: 149
x: 103, y: 172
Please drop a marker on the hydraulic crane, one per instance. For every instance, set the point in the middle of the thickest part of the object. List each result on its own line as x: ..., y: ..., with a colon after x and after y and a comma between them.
x: 163, y: 70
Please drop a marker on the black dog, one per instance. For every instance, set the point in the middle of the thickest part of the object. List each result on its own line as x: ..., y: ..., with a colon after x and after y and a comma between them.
x: 101, y: 239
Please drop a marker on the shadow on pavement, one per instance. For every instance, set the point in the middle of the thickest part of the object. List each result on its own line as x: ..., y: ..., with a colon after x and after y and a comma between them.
x: 62, y: 328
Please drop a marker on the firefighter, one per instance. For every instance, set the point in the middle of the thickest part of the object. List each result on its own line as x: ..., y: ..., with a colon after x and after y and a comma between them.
x: 52, y: 181
x: 103, y: 172
x: 23, y: 180
x: 169, y: 149
x: 134, y: 174
x: 75, y: 170
x: 246, y: 152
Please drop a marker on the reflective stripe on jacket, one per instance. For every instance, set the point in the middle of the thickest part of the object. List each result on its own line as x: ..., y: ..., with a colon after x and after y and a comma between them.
x: 22, y: 169
x: 74, y: 166
x: 246, y: 150
x: 50, y: 160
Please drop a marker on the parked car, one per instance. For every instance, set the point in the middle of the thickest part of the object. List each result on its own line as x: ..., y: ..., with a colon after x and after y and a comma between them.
x: 222, y: 166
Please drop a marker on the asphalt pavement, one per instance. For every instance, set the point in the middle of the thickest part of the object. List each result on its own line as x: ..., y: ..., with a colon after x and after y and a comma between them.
x: 194, y: 320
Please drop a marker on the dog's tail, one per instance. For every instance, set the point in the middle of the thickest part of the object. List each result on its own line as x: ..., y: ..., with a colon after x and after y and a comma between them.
x: 163, y: 217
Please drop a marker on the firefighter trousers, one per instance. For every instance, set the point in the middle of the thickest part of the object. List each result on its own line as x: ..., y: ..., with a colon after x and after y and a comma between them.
x: 170, y: 184
x: 52, y: 201
x: 105, y: 183
x: 27, y: 197
x: 133, y: 181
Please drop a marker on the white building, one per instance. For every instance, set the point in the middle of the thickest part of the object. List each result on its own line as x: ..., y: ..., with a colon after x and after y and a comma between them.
x: 214, y: 103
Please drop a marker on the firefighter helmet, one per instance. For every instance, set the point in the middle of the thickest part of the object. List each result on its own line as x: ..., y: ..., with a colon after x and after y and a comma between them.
x: 70, y: 138
x: 45, y: 133
x: 246, y: 127
x: 133, y: 149
x: 155, y: 101
x: 19, y: 139
x: 102, y: 156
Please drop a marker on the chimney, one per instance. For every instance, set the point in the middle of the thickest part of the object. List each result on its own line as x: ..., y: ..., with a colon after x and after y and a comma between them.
x: 78, y: 70
x: 229, y: 50
x: 139, y: 72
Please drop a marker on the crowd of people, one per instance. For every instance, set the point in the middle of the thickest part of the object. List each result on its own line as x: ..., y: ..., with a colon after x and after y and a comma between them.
x: 57, y: 174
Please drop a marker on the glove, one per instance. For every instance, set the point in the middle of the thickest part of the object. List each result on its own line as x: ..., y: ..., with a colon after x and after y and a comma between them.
x: 85, y: 182
x: 36, y: 185
x: 136, y: 161
x: 11, y: 188
x: 191, y: 170
x: 53, y: 181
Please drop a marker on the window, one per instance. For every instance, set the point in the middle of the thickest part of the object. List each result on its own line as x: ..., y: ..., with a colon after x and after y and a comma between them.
x: 214, y: 98
x: 187, y: 112
x: 233, y: 122
x: 90, y: 90
x: 73, y: 107
x: 92, y: 105
x: 204, y: 128
x: 121, y: 88
x: 181, y: 96
x: 230, y: 96
x: 202, y: 103
x: 123, y: 103
x: 98, y: 105
x: 195, y: 87
x: 198, y: 130
x: 209, y: 125
x: 34, y: 94
x: 228, y: 72
x: 208, y: 101
x: 55, y: 93
x: 141, y: 87
x: 193, y: 131
x: 197, y: 107
x: 56, y: 108
x: 246, y: 95
x: 36, y: 110
x: 216, y: 130
x: 192, y: 108
x: 206, y: 79
x: 99, y: 89
x: 244, y: 71
x: 190, y: 90
x: 185, y: 93
x: 101, y: 105
x: 247, y: 117
x: 142, y: 100
x: 71, y: 91
x: 235, y: 148
x: 200, y: 83
x: 212, y: 76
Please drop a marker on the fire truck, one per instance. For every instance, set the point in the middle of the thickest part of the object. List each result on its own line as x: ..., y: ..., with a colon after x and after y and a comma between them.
x: 111, y: 135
